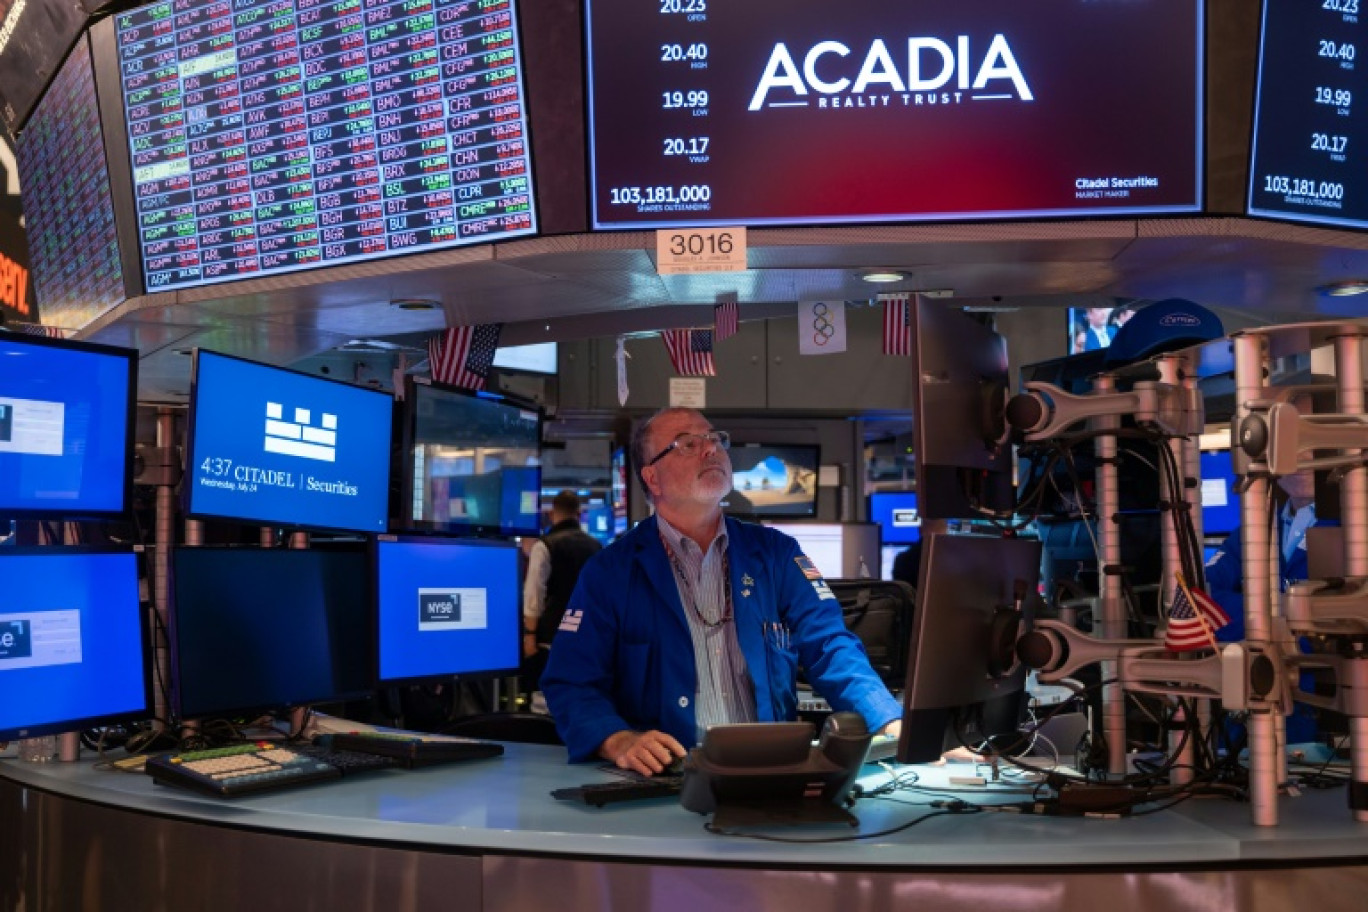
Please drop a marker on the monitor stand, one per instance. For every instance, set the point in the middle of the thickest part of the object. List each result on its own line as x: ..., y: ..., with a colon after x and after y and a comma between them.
x: 733, y: 814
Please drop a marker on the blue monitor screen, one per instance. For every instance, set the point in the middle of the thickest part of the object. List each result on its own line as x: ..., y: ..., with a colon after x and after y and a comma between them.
x: 269, y: 445
x: 66, y: 428
x: 254, y: 629
x: 73, y: 641
x: 446, y: 607
x: 1220, y: 504
x: 897, y: 513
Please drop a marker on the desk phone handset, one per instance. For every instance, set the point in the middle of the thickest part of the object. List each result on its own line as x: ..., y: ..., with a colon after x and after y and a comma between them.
x: 771, y: 772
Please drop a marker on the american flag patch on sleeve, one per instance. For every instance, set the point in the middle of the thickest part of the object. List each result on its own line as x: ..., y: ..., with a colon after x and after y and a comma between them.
x: 808, y: 567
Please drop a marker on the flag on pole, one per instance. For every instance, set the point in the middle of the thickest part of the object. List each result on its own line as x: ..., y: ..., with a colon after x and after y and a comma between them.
x: 463, y: 355
x: 821, y: 327
x: 726, y: 320
x: 1193, y: 620
x: 691, y: 351
x: 897, y: 325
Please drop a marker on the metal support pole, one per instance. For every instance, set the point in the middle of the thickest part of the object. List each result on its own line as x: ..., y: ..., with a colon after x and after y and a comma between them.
x: 1354, y: 518
x: 1251, y: 365
x: 1192, y: 471
x: 1170, y: 372
x: 1113, y: 612
x: 163, y: 538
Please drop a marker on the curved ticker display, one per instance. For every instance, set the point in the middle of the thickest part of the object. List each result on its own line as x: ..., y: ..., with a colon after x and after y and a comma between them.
x: 268, y: 137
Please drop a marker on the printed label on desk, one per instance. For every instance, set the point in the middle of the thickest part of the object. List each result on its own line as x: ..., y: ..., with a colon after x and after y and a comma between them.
x: 451, y: 609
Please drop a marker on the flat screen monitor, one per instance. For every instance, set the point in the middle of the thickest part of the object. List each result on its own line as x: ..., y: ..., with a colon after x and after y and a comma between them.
x: 538, y: 358
x: 446, y: 607
x: 598, y: 520
x: 66, y: 428
x: 772, y: 112
x: 1306, y: 158
x: 1093, y: 328
x: 277, y: 447
x: 272, y: 137
x: 73, y: 641
x: 896, y: 513
x: 838, y: 550
x: 1220, y: 503
x: 468, y: 463
x: 257, y: 629
x: 774, y: 480
x: 964, y: 683
x: 620, y: 485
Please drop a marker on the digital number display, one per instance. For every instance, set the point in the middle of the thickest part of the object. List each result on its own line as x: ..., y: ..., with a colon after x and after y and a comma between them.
x: 268, y: 137
x: 1311, y: 124
x: 770, y: 112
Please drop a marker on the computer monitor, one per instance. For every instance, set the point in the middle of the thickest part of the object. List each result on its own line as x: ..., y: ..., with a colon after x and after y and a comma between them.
x: 73, y: 641
x: 66, y: 428
x: 896, y: 512
x: 467, y: 463
x: 278, y: 447
x: 446, y: 607
x: 773, y: 480
x: 257, y: 629
x: 964, y: 684
x: 537, y: 358
x: 620, y: 485
x: 838, y: 550
x: 1220, y: 503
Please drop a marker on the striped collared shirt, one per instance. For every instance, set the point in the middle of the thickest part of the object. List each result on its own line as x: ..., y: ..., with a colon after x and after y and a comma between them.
x: 725, y: 692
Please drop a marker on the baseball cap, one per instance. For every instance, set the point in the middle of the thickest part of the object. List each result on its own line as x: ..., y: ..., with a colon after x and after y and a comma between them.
x: 1163, y: 326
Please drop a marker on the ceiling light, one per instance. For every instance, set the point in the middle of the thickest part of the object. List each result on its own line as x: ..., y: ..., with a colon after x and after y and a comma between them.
x: 415, y: 304
x: 1345, y: 288
x: 883, y: 276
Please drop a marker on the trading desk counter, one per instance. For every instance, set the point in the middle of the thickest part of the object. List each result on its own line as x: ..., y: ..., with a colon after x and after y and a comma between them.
x: 486, y: 834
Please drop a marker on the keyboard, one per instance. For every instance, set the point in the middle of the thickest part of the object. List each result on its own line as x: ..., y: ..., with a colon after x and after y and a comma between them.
x: 348, y: 762
x: 414, y: 751
x: 598, y: 794
x: 228, y: 772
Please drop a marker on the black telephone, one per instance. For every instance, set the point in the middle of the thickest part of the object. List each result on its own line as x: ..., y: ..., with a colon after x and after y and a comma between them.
x: 770, y: 772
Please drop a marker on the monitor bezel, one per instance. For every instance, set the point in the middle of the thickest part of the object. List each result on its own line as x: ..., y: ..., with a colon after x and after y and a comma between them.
x: 130, y: 356
x: 148, y: 709
x: 405, y: 439
x: 440, y: 541
x: 191, y: 424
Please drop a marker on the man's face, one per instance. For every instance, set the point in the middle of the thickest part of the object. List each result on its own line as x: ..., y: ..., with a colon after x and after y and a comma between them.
x: 1097, y: 316
x: 704, y: 477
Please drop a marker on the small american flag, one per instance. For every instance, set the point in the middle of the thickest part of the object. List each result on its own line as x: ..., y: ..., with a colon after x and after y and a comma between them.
x: 1193, y: 621
x: 691, y: 351
x: 462, y: 356
x: 35, y: 329
x: 897, y: 326
x: 726, y: 320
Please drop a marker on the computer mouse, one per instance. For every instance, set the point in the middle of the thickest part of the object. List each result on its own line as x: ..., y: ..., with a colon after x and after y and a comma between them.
x: 675, y: 768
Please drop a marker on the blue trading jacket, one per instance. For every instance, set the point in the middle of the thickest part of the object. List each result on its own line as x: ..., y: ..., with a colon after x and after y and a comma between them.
x: 623, y: 657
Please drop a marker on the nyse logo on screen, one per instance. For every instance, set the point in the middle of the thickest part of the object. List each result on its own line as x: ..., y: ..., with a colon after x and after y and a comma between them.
x: 301, y: 437
x: 16, y: 640
x: 906, y: 518
x: 438, y: 606
x: 932, y: 72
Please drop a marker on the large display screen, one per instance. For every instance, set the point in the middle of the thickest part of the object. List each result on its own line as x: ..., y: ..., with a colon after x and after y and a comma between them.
x: 66, y: 428
x: 34, y: 37
x: 73, y: 641
x: 254, y: 629
x: 68, y: 210
x: 897, y: 515
x: 446, y: 607
x: 1310, y: 139
x: 796, y: 111
x: 275, y: 136
x: 469, y: 463
x: 773, y: 480
x: 273, y: 446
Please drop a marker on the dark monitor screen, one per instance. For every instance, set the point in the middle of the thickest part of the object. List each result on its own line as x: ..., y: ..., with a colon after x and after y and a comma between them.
x: 774, y: 480
x: 37, y: 35
x: 468, y: 463
x: 774, y: 112
x: 273, y: 446
x: 271, y: 137
x: 73, y: 641
x: 964, y: 684
x: 66, y: 428
x: 254, y: 629
x: 446, y: 607
x: 896, y: 512
x: 1220, y: 503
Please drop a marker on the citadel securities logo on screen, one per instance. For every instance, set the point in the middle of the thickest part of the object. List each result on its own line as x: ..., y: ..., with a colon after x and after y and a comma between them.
x: 798, y: 111
x: 272, y: 445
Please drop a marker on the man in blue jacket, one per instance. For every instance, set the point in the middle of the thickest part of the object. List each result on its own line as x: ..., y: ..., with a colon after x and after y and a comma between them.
x: 694, y: 619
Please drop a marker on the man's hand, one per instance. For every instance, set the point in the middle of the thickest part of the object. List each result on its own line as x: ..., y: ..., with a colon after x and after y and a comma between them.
x: 647, y: 753
x: 892, y: 729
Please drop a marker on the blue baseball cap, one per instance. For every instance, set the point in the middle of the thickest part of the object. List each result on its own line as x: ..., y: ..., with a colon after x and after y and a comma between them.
x: 1163, y: 326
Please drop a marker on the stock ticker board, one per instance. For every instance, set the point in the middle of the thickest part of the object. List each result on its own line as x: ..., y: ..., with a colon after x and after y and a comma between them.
x: 272, y: 137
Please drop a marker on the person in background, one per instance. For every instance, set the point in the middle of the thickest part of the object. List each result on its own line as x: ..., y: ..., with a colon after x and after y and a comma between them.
x: 907, y: 564
x: 553, y: 567
x: 1100, y: 329
x: 695, y: 618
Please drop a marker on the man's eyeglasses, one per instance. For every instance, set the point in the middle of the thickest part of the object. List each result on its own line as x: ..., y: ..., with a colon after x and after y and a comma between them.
x: 692, y: 444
